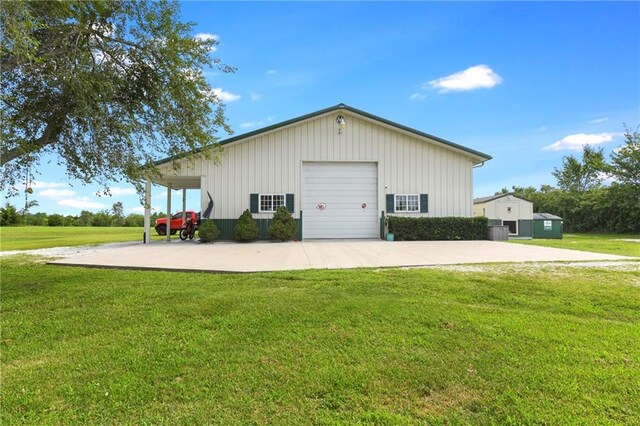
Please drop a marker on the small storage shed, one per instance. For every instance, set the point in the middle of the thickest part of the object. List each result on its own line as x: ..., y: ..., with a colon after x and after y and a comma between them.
x: 508, y: 210
x: 547, y: 225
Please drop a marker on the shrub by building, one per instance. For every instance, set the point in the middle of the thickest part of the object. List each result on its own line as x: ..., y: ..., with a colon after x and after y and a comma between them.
x: 283, y: 227
x: 437, y: 228
x: 246, y: 229
x: 208, y: 231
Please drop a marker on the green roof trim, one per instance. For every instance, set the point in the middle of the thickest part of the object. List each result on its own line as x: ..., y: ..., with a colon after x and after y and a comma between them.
x: 339, y: 107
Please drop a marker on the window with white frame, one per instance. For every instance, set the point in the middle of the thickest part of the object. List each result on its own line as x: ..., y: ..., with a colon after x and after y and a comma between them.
x: 407, y: 203
x: 270, y: 202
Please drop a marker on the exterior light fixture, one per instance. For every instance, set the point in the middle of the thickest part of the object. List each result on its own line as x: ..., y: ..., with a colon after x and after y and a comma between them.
x: 342, y: 123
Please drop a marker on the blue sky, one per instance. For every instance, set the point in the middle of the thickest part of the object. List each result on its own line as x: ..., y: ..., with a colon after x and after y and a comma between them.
x: 527, y: 83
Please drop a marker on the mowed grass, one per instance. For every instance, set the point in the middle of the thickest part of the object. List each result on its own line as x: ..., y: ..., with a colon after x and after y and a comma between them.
x: 510, y: 345
x: 37, y: 237
x: 600, y: 243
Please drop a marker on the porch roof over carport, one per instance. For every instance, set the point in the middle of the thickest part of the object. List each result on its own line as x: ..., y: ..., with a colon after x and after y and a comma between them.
x: 178, y: 182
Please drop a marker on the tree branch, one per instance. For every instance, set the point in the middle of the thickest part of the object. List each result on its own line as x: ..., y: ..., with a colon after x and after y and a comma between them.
x: 52, y: 48
x: 49, y: 136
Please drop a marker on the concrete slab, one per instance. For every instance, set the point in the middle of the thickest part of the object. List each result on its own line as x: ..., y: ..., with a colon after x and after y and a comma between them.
x: 274, y: 256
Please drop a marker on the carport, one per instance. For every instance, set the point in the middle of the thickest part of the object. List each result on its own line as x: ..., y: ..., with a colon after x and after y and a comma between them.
x: 172, y: 183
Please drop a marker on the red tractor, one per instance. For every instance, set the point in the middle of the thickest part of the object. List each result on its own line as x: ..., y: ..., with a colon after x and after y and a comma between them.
x: 176, y: 222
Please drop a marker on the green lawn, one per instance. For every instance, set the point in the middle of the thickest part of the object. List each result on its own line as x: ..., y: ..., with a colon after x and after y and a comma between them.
x: 37, y: 237
x: 510, y: 345
x: 599, y: 243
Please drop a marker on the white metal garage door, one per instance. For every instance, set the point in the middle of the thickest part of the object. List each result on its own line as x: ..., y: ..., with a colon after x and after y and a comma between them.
x: 340, y: 200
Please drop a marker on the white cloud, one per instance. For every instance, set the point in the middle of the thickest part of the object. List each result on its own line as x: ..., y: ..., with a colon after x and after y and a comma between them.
x: 417, y: 97
x: 272, y: 72
x: 44, y: 185
x: 224, y: 95
x: 117, y: 191
x: 55, y: 194
x: 606, y: 177
x: 476, y: 77
x: 98, y: 56
x: 162, y: 194
x: 255, y: 96
x: 191, y: 73
x: 207, y: 37
x: 140, y: 209
x: 260, y: 123
x: 599, y: 120
x: 81, y: 203
x: 577, y: 141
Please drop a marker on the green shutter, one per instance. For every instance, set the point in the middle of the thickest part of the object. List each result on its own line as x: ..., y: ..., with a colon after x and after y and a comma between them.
x: 391, y: 205
x: 424, y: 203
x: 289, y: 203
x: 253, y: 203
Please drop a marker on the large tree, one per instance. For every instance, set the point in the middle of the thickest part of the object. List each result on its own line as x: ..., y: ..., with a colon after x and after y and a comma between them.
x: 581, y: 175
x: 105, y: 86
x: 625, y: 160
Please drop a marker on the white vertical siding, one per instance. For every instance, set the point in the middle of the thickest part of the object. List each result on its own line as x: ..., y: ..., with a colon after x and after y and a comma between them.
x: 271, y: 163
x: 497, y: 209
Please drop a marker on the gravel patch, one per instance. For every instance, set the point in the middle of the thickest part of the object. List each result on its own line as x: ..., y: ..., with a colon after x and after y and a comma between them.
x: 68, y: 251
x: 507, y: 268
x: 631, y: 240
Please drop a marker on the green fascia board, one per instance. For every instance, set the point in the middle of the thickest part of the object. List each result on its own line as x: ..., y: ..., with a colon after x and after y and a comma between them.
x: 339, y: 107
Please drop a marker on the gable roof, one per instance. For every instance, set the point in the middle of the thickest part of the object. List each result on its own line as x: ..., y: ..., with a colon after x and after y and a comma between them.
x: 495, y: 197
x: 342, y: 107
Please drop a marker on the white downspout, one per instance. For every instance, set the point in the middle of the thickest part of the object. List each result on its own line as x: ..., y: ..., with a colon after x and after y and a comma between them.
x: 184, y: 205
x: 147, y: 212
x: 169, y: 212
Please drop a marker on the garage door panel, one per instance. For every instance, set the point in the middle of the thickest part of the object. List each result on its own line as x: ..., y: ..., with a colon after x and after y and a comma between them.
x: 338, y: 179
x: 339, y: 167
x: 345, y: 189
x: 341, y: 188
x: 340, y: 199
x: 343, y: 218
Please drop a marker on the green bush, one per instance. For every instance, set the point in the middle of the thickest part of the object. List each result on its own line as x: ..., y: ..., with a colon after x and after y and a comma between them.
x: 438, y: 228
x: 134, y: 220
x: 246, y: 228
x: 8, y: 215
x: 283, y: 227
x: 102, y: 218
x: 208, y: 231
x: 56, y: 220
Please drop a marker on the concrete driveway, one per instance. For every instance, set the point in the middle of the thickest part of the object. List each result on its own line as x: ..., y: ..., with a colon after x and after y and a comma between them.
x: 273, y: 256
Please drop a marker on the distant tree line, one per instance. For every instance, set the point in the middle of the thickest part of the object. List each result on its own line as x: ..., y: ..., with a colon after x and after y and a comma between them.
x: 593, y: 194
x: 10, y: 216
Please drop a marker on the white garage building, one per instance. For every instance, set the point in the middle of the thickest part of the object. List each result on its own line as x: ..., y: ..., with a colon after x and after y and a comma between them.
x: 338, y: 170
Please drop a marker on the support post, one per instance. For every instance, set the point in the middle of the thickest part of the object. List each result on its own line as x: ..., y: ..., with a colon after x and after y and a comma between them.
x: 147, y: 212
x: 184, y: 206
x: 168, y: 212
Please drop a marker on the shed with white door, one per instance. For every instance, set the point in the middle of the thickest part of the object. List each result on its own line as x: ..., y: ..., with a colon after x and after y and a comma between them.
x: 338, y: 170
x: 507, y: 210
